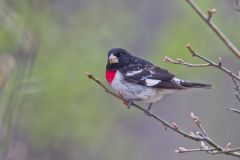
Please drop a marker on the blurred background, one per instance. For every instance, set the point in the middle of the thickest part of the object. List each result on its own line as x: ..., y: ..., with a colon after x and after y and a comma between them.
x: 50, y: 110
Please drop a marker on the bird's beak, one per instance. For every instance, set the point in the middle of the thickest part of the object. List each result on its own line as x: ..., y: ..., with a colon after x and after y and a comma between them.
x: 112, y: 59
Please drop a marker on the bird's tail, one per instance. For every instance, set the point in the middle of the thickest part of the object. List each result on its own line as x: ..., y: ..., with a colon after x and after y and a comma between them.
x: 195, y: 85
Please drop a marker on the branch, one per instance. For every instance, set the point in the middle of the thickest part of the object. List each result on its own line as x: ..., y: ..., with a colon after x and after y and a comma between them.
x: 233, y: 109
x: 208, y: 63
x: 199, y: 137
x: 211, y: 63
x: 182, y: 62
x: 196, y: 120
x: 237, y: 89
x: 215, y: 29
x: 203, y: 133
x: 208, y: 150
x: 237, y: 95
x: 210, y: 13
x: 185, y: 150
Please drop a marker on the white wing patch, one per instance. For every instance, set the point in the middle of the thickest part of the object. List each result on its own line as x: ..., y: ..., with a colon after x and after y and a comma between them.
x: 152, y: 82
x: 152, y: 72
x: 133, y: 72
x: 177, y: 80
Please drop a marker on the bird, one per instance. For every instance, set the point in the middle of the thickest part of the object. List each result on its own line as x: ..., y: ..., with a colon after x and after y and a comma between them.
x: 138, y: 80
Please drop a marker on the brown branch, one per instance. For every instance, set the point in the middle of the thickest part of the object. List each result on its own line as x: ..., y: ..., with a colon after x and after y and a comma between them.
x: 210, y: 13
x: 203, y: 133
x: 211, y: 63
x: 185, y: 150
x: 226, y: 41
x: 182, y: 62
x: 231, y: 150
x: 237, y: 95
x: 216, y: 149
x: 237, y: 89
x: 233, y: 109
x: 208, y: 63
x: 199, y: 137
x: 196, y: 120
x: 208, y: 150
x: 215, y: 29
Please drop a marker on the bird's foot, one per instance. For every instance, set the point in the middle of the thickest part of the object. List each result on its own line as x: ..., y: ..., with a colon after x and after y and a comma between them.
x: 148, y: 111
x: 128, y: 103
x: 120, y: 94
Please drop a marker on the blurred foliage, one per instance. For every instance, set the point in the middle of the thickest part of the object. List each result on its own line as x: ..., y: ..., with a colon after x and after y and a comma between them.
x: 62, y: 110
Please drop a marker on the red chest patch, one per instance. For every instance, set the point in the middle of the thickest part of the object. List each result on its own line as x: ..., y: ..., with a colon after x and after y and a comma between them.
x: 110, y: 74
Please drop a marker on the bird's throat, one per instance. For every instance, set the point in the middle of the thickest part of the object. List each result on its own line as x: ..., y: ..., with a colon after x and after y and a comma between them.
x: 110, y: 74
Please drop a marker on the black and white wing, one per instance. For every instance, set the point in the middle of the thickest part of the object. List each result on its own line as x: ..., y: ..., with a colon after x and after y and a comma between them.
x: 150, y: 76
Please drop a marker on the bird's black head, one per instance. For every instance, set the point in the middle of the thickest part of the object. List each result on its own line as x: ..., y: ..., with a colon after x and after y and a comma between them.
x: 118, y: 58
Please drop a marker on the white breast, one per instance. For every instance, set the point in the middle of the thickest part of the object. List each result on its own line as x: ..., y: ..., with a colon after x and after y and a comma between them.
x: 138, y: 92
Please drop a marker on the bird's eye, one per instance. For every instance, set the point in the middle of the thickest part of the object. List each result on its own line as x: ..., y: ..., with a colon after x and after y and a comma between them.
x: 117, y: 55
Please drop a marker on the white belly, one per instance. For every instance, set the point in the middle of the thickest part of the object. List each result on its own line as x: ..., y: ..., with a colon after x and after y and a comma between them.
x: 138, y: 92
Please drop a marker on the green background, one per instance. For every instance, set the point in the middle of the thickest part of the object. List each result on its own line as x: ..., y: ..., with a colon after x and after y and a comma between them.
x: 56, y: 112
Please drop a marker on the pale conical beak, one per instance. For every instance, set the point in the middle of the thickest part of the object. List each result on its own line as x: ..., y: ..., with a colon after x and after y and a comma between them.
x: 112, y: 59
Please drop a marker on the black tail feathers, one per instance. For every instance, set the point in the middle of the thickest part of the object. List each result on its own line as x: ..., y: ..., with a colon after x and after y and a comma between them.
x: 195, y: 85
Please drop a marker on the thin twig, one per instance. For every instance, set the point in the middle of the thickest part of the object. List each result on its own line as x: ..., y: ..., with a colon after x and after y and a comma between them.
x: 237, y: 94
x: 233, y: 109
x: 173, y: 126
x: 184, y: 150
x: 196, y: 120
x: 231, y: 150
x: 211, y: 63
x: 236, y: 85
x: 204, y: 133
x: 210, y: 13
x: 182, y: 62
x: 208, y: 150
x: 215, y: 29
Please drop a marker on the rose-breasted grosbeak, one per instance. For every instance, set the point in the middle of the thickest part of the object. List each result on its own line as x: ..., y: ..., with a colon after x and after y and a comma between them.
x: 136, y: 79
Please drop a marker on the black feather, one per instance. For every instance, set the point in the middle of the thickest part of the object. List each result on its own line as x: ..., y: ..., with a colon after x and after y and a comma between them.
x: 195, y: 85
x: 149, y: 72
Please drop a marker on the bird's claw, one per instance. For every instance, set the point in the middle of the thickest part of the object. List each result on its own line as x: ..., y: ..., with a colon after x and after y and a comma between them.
x: 148, y: 111
x: 128, y: 103
x: 120, y: 94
